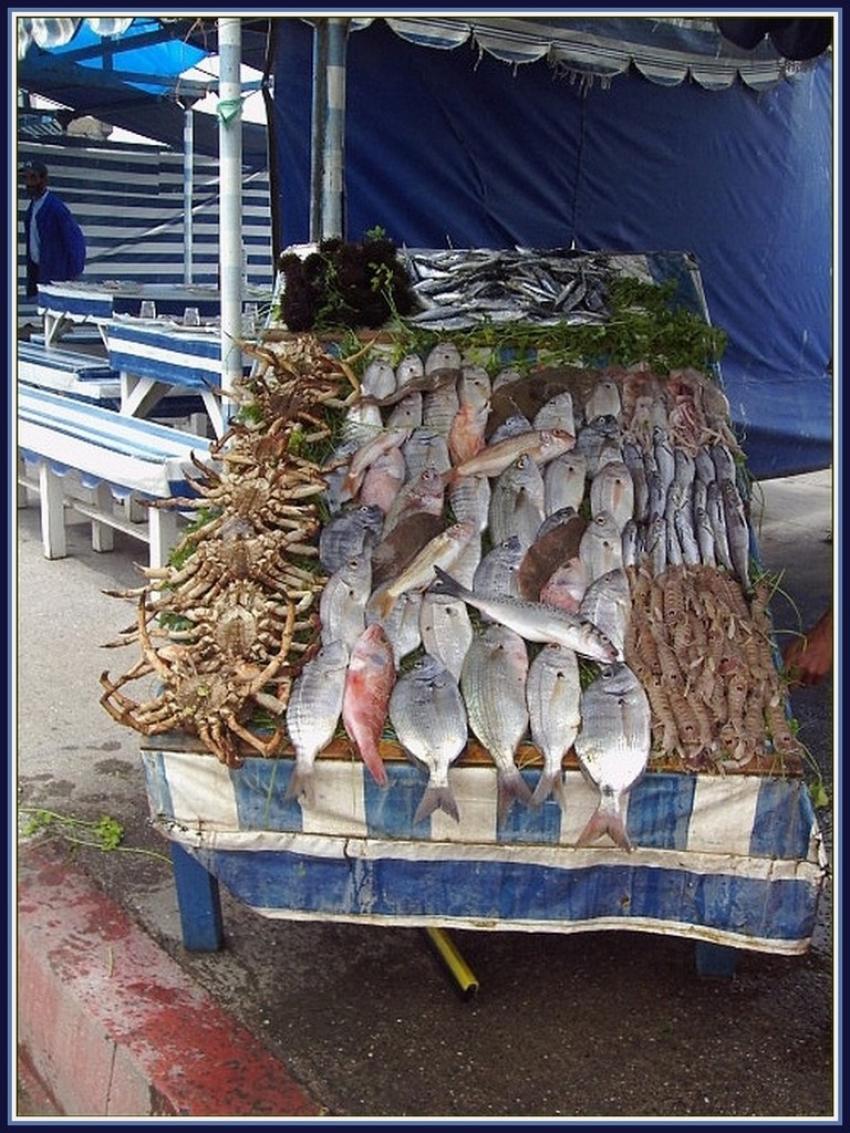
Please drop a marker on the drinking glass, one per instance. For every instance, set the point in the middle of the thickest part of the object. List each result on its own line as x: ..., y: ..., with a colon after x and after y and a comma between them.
x: 191, y: 317
x: 148, y: 309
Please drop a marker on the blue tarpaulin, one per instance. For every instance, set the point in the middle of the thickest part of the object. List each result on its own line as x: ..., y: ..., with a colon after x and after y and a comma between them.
x: 456, y: 147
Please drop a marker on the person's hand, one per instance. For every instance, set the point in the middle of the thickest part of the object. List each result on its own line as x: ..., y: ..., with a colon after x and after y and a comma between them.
x: 808, y: 659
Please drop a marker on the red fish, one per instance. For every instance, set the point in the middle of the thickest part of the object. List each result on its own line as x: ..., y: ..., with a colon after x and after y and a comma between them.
x: 365, y: 702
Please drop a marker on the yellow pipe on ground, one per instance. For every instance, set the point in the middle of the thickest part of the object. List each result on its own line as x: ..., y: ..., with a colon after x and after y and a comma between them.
x: 448, y: 953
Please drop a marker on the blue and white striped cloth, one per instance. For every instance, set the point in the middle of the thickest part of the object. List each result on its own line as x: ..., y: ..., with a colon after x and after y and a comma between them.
x: 733, y: 859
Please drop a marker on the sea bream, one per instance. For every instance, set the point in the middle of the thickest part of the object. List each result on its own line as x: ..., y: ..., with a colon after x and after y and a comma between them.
x: 446, y: 630
x: 533, y: 621
x: 563, y: 482
x: 466, y: 433
x: 368, y: 684
x: 607, y: 603
x: 343, y: 601
x: 612, y: 747
x: 498, y: 571
x: 312, y: 713
x: 429, y: 717
x: 612, y: 491
x: 348, y: 534
x: 557, y: 413
x: 516, y: 502
x: 566, y: 587
x: 492, y: 681
x: 383, y: 480
x: 552, y: 694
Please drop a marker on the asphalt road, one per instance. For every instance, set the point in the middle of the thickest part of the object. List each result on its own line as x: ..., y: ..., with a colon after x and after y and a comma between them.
x: 589, y: 1025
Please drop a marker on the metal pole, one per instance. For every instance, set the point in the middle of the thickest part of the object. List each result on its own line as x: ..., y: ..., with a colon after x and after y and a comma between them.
x: 332, y: 171
x: 188, y: 171
x: 230, y: 216
x: 319, y: 121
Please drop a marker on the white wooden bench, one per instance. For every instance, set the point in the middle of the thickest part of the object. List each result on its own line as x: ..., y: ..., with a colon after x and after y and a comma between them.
x: 116, y: 458
x: 64, y: 371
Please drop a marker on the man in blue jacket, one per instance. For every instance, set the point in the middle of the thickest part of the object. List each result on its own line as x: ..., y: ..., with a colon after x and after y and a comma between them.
x: 56, y: 247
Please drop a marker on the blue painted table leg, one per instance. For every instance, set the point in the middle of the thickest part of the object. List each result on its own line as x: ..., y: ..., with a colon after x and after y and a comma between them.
x: 198, y: 901
x: 716, y: 960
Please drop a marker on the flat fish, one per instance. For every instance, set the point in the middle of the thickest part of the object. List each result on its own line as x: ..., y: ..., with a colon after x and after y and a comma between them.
x: 552, y: 694
x: 557, y: 413
x: 516, y: 502
x: 601, y: 546
x: 557, y: 541
x: 564, y: 482
x: 566, y: 586
x: 612, y: 491
x: 612, y: 747
x: 498, y: 571
x: 343, y: 601
x: 607, y: 603
x: 368, y: 684
x: 446, y: 630
x: 532, y: 620
x: 429, y: 717
x: 348, y: 533
x: 492, y: 682
x: 383, y: 480
x: 313, y: 711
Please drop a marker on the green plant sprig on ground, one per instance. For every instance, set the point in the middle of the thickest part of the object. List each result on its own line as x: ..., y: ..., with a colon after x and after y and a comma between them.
x: 105, y: 834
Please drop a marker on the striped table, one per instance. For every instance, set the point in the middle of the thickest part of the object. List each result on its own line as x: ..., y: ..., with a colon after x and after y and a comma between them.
x: 732, y: 860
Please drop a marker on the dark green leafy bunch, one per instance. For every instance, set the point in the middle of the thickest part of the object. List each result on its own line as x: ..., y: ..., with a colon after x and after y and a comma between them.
x: 345, y: 284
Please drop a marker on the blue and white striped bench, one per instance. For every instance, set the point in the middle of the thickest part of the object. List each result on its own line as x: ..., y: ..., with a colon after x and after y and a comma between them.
x: 117, y: 457
x: 65, y: 371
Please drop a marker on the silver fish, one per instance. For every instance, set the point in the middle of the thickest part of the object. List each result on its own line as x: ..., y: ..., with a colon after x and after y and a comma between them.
x: 610, y: 452
x: 657, y: 501
x: 706, y: 472
x: 533, y: 620
x: 343, y: 601
x: 631, y: 543
x: 383, y: 480
x: 313, y: 712
x: 685, y: 467
x: 439, y: 409
x: 511, y: 427
x: 336, y: 471
x: 492, y: 681
x: 612, y: 747
x: 717, y: 516
x: 737, y: 532
x: 564, y: 481
x: 700, y: 495
x: 604, y: 400
x: 429, y: 718
x: 557, y: 413
x: 705, y: 537
x: 516, y: 502
x: 362, y: 423
x: 348, y: 534
x: 425, y: 449
x: 663, y: 452
x: 687, y: 537
x: 443, y: 356
x: 552, y: 694
x: 470, y: 499
x: 468, y: 561
x: 592, y: 436
x: 424, y: 493
x: 498, y: 571
x: 674, y: 547
x: 474, y: 387
x: 446, y: 630
x: 724, y: 462
x: 407, y: 414
x: 601, y: 547
x: 379, y: 380
x: 607, y: 603
x: 410, y: 369
x: 612, y: 491
x: 656, y: 544
x: 400, y: 625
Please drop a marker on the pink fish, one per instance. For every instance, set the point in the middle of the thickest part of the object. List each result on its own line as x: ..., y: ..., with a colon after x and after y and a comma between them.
x: 382, y: 482
x: 365, y: 702
x: 466, y: 436
x: 565, y: 589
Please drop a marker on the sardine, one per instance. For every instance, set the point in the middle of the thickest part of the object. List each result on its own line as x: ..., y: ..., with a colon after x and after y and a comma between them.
x: 429, y: 717
x: 533, y: 620
x: 343, y: 601
x: 492, y: 682
x: 446, y: 630
x: 368, y: 685
x: 552, y: 694
x: 312, y: 713
x: 612, y: 747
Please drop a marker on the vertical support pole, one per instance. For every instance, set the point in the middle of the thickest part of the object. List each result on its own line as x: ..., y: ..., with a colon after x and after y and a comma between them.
x: 230, y: 216
x: 162, y: 532
x: 318, y: 128
x: 188, y: 176
x: 52, y: 513
x: 102, y: 534
x: 198, y: 901
x: 332, y: 166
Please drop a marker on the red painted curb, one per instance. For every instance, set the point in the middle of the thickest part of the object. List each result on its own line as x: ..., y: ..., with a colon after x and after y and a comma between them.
x: 113, y: 1026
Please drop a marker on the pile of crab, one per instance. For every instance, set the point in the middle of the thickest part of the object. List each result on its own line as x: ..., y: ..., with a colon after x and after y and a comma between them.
x: 225, y: 627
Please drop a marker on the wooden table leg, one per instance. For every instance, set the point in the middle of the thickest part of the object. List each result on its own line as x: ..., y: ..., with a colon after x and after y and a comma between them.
x: 199, y: 902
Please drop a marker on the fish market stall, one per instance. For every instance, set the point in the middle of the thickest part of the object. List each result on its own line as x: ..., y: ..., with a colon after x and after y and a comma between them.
x: 470, y: 629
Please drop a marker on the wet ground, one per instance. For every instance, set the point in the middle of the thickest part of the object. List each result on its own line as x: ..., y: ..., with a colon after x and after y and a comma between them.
x: 586, y: 1025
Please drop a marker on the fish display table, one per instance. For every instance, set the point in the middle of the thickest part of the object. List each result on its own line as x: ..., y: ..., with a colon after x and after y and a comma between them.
x: 734, y: 860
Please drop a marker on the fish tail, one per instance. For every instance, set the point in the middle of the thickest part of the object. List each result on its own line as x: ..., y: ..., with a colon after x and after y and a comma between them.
x: 445, y: 584
x: 301, y: 785
x: 375, y: 765
x: 437, y: 798
x: 512, y: 787
x: 549, y: 783
x: 606, y: 819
